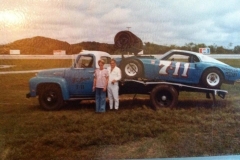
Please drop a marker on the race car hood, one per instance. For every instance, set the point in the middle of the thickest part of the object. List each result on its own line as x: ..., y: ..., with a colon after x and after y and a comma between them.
x: 52, y: 73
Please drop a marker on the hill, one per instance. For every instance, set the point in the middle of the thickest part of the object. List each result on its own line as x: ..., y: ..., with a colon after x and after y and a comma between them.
x: 35, y: 45
x: 45, y: 46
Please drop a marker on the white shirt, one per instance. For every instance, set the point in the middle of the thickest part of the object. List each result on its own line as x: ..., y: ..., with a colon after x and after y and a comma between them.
x: 114, y: 74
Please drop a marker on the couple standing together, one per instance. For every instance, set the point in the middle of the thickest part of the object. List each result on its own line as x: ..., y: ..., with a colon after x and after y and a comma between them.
x: 106, y: 80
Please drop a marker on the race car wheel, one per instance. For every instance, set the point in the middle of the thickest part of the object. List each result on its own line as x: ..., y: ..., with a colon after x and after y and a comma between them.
x: 131, y: 69
x: 50, y: 97
x: 164, y: 96
x: 212, y: 78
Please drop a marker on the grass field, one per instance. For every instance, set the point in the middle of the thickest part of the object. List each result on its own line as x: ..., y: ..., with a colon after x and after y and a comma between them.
x: 194, y: 128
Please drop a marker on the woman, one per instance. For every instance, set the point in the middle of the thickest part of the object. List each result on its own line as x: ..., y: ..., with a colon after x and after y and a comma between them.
x: 100, y: 86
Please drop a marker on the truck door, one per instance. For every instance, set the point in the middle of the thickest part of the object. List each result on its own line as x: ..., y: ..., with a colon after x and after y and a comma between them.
x: 80, y: 77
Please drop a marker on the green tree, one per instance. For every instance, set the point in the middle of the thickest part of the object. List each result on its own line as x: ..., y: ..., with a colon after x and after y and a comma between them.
x: 220, y: 50
x: 236, y: 49
x: 190, y: 46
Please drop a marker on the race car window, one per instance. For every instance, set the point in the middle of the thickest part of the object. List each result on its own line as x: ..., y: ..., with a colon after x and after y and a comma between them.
x: 183, y: 58
x: 178, y: 58
x: 85, y: 62
x: 193, y: 59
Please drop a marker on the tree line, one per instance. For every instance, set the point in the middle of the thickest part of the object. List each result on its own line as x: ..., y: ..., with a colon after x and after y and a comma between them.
x: 151, y: 48
x: 42, y: 45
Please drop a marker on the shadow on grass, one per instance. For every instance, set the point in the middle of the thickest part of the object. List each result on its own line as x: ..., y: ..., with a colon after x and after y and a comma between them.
x: 125, y: 104
x: 129, y: 104
x: 207, y: 104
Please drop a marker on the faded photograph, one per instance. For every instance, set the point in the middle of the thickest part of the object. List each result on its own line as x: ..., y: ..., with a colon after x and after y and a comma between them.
x: 101, y: 79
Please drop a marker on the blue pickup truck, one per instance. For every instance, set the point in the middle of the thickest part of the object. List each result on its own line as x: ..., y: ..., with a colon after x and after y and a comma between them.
x: 55, y: 86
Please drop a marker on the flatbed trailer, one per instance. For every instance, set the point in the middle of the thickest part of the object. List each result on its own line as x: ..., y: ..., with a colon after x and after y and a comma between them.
x: 165, y: 94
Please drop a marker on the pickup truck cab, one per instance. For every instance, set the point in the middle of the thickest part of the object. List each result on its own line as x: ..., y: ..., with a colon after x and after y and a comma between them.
x: 55, y: 86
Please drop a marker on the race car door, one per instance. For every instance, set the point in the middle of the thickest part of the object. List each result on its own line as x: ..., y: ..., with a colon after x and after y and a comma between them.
x: 179, y: 68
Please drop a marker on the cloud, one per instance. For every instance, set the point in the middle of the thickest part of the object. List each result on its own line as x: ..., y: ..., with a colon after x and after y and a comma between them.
x: 158, y: 21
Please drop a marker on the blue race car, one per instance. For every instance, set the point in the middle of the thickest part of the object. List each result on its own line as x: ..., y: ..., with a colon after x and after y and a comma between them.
x: 180, y: 66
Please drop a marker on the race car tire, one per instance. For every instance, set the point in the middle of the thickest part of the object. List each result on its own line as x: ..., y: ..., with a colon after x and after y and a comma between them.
x: 163, y: 96
x: 212, y: 78
x: 131, y: 69
x: 50, y: 97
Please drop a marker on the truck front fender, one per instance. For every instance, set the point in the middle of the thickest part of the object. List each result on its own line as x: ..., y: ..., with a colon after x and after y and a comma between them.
x: 36, y: 83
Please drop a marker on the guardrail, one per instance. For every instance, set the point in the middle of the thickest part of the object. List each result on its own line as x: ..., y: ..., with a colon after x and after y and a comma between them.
x: 216, y: 56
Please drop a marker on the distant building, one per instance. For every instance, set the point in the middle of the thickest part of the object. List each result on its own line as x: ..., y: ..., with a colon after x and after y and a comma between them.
x: 204, y: 50
x: 15, y: 52
x: 59, y: 52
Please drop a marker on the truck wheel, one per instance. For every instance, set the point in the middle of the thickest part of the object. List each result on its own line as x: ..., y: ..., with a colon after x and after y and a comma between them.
x: 50, y: 97
x: 131, y: 69
x: 212, y: 78
x: 163, y: 96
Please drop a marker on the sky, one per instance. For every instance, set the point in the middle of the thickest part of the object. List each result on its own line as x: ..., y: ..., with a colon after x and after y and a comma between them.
x: 163, y: 22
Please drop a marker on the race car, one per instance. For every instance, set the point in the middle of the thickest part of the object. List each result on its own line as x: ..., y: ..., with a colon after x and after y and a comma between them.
x: 180, y: 66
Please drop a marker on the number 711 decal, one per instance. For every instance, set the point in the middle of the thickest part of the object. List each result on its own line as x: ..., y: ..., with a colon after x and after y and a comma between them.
x: 165, y: 66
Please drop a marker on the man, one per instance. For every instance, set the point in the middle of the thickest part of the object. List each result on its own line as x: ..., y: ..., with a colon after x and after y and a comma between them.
x: 100, y: 86
x: 113, y: 88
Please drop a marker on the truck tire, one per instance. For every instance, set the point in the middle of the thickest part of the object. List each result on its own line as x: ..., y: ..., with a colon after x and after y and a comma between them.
x: 50, y: 97
x: 212, y: 78
x: 163, y: 96
x: 131, y: 69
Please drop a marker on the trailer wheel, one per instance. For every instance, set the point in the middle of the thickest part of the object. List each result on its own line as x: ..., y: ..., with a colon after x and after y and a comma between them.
x: 163, y: 96
x: 131, y: 69
x: 50, y: 97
